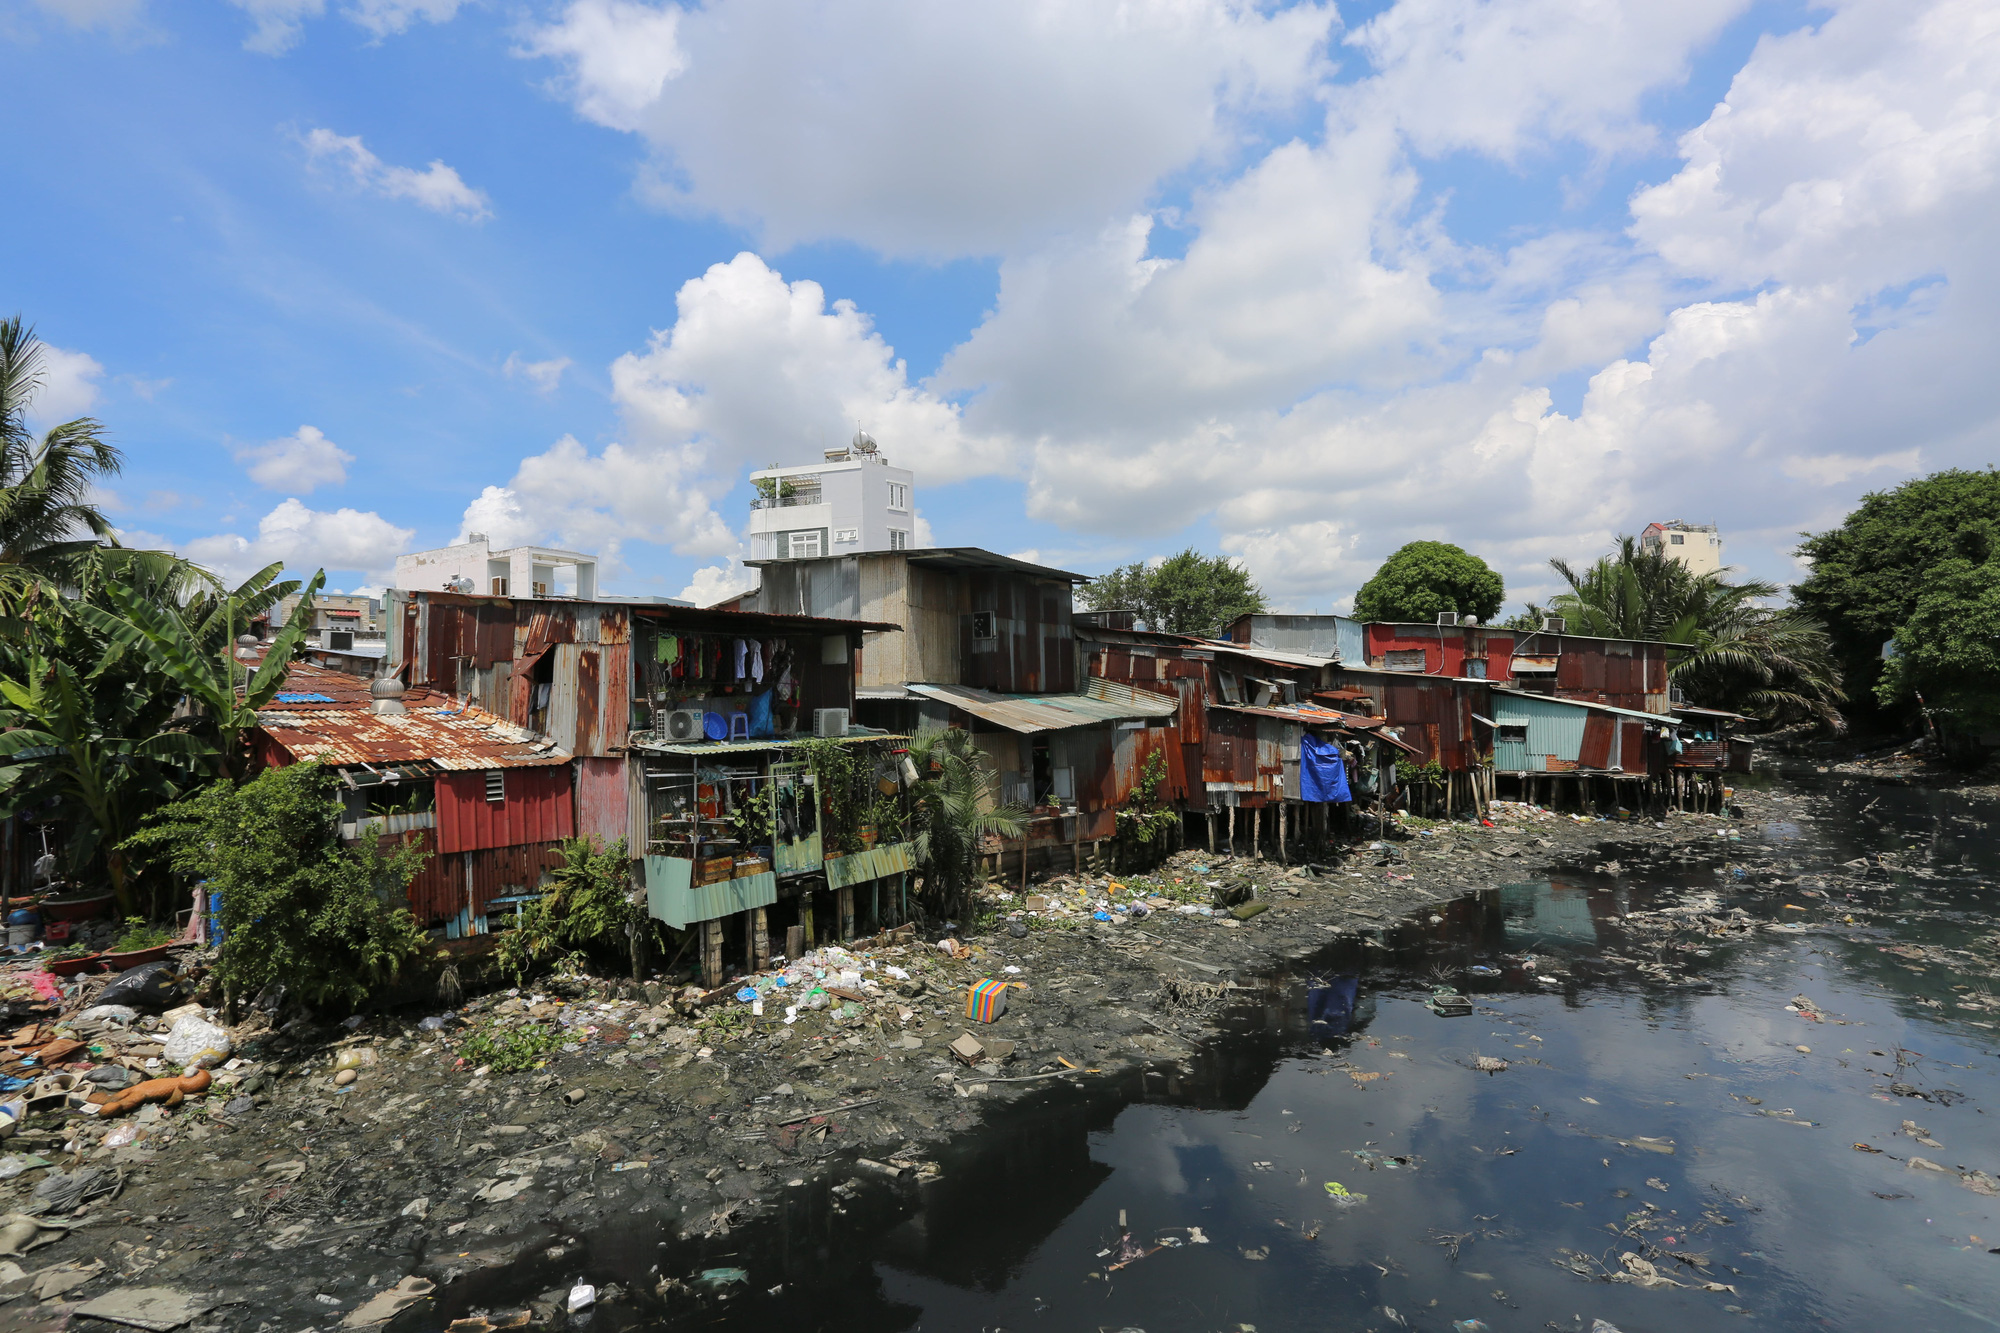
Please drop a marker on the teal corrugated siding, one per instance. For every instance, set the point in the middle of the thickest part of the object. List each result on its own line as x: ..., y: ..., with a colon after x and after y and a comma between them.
x: 874, y: 863
x: 672, y: 897
x: 1555, y: 730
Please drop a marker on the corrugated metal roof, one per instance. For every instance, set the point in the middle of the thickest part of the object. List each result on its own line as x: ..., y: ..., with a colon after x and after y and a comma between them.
x: 435, y: 730
x: 1686, y: 709
x: 1275, y: 656
x: 1148, y: 703
x: 1030, y: 713
x: 1500, y: 692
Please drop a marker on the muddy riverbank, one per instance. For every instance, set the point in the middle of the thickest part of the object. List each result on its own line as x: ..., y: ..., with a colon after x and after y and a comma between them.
x: 293, y: 1194
x: 657, y: 1139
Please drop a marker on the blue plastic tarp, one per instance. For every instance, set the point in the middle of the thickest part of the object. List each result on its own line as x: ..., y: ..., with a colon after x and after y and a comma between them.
x: 1322, y: 773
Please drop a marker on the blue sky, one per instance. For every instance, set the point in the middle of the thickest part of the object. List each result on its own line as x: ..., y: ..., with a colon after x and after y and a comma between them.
x: 1292, y: 283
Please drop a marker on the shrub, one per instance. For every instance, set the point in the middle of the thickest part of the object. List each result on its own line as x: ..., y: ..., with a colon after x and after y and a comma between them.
x: 586, y: 907
x: 512, y: 1050
x: 328, y: 922
x: 138, y: 936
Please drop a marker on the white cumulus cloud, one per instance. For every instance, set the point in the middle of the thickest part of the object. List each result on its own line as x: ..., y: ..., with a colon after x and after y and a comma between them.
x: 305, y: 540
x: 719, y: 583
x: 922, y: 128
x: 298, y: 463
x: 69, y: 385
x: 437, y: 187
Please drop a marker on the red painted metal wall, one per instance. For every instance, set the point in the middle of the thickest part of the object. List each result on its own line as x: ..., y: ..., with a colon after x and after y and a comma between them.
x: 1447, y: 651
x: 539, y: 808
x: 603, y: 800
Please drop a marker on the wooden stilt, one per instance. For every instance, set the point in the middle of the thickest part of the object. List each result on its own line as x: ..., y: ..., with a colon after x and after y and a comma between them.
x: 1229, y: 812
x: 1257, y: 834
x: 711, y: 954
x: 1281, y: 833
x: 760, y: 931
x: 749, y: 941
x: 845, y: 901
x: 806, y: 918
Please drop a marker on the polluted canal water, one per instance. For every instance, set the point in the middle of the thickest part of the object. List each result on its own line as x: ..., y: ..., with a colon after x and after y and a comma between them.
x: 1755, y: 1083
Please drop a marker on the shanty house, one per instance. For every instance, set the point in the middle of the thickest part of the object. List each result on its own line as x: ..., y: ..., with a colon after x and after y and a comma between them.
x: 986, y: 642
x: 491, y: 802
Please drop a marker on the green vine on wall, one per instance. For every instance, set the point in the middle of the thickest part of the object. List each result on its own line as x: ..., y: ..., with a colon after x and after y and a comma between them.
x: 839, y: 773
x: 1143, y: 826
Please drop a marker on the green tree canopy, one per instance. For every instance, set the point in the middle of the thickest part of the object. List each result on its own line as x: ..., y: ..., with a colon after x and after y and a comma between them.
x: 1425, y: 578
x: 1870, y: 573
x: 1189, y: 593
x: 1947, y: 654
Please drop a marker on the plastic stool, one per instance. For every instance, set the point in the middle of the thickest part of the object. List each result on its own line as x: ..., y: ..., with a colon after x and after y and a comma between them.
x: 739, y: 726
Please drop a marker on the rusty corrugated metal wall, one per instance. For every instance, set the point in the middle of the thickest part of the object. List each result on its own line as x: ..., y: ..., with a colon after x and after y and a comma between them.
x: 1032, y: 651
x: 449, y: 882
x: 538, y: 807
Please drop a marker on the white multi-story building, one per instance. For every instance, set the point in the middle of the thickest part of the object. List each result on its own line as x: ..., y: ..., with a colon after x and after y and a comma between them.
x: 520, y: 571
x: 1696, y: 545
x: 851, y: 502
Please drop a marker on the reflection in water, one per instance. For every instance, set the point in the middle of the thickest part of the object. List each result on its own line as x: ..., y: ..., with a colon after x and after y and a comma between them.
x: 1330, y: 1006
x: 1677, y: 1122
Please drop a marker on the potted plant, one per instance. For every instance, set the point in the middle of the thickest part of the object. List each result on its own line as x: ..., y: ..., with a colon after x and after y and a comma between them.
x: 69, y: 960
x: 140, y: 943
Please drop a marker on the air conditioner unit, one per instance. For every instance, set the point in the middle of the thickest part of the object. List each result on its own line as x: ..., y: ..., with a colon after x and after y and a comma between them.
x: 1553, y: 624
x: 1447, y: 617
x: 340, y: 640
x: 829, y: 721
x: 683, y: 724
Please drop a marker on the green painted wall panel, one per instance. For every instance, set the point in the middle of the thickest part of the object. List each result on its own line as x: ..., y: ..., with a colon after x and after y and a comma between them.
x: 673, y: 897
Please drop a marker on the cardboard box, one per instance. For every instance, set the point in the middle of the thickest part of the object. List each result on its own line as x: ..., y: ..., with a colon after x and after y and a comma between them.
x: 714, y: 869
x: 969, y: 1049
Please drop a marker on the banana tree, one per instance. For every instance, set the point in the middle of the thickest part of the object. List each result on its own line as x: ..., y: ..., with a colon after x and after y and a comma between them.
x: 197, y: 656
x: 99, y: 754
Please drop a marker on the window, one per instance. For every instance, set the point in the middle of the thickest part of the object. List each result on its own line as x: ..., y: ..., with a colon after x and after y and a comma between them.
x: 1409, y: 659
x: 806, y: 545
x: 983, y: 626
x: 499, y: 587
x: 1507, y: 731
x: 496, y: 785
x: 899, y: 495
x: 1675, y: 539
x: 899, y: 540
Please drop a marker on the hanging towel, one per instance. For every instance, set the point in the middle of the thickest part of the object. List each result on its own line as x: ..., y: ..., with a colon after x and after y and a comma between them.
x: 757, y: 661
x: 1322, y: 775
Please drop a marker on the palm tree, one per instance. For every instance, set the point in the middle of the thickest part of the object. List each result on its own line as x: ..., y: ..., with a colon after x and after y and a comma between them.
x: 955, y: 805
x: 1734, y: 652
x: 48, y: 521
x: 192, y: 649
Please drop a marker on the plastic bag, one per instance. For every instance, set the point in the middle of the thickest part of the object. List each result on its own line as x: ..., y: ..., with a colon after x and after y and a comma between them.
x: 197, y: 1041
x: 150, y: 987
